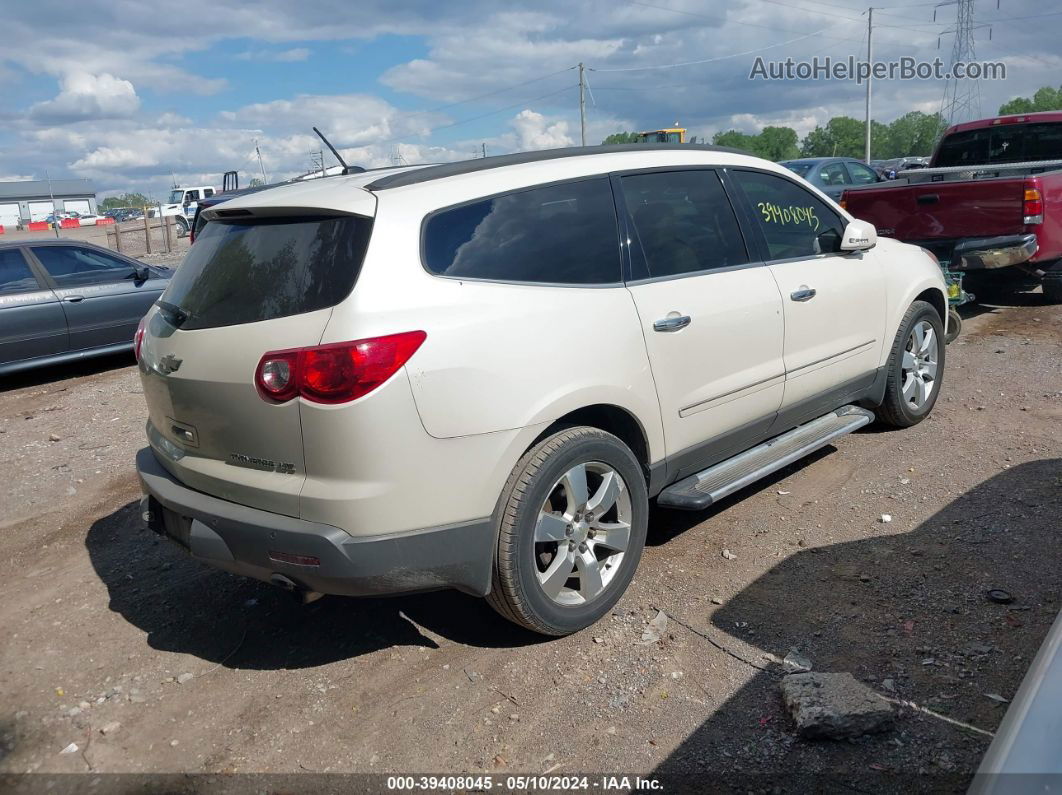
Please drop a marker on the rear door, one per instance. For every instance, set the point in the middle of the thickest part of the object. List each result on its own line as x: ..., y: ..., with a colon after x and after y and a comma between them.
x: 711, y: 316
x: 245, y: 288
x: 32, y: 323
x: 100, y: 293
x: 834, y: 302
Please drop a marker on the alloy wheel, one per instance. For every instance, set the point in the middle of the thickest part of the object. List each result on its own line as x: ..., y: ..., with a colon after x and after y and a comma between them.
x: 582, y: 533
x: 919, y: 366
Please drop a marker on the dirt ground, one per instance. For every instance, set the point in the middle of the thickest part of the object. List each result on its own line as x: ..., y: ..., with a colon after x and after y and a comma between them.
x: 191, y: 670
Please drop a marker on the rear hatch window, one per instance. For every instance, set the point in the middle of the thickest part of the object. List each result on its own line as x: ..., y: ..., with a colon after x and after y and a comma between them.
x: 245, y: 271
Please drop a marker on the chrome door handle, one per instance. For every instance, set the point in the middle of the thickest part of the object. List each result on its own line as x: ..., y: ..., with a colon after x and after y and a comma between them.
x: 74, y: 298
x: 803, y: 294
x: 672, y: 323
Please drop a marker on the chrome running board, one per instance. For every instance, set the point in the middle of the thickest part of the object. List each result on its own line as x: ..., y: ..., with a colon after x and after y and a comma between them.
x: 700, y: 490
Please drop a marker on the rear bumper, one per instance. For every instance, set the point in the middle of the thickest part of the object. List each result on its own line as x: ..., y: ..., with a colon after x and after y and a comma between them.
x: 246, y: 541
x: 987, y: 253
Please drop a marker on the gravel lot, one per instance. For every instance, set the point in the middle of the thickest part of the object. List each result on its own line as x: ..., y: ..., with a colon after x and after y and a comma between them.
x: 206, y: 672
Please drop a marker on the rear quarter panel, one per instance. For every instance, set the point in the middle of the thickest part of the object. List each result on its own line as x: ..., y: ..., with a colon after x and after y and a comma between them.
x: 1049, y: 233
x: 497, y: 357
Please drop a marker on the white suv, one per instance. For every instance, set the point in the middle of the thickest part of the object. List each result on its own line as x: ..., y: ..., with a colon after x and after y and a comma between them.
x: 476, y: 375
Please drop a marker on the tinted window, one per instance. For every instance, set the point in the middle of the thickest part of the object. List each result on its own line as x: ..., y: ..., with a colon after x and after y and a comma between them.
x: 683, y: 222
x: 561, y: 234
x: 70, y: 266
x: 861, y: 175
x: 15, y: 275
x: 243, y: 272
x: 794, y: 222
x: 833, y: 174
x: 1006, y: 143
x: 800, y: 169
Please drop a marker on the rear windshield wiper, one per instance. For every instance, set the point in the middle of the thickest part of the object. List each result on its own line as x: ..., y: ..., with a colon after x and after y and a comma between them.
x: 175, y: 316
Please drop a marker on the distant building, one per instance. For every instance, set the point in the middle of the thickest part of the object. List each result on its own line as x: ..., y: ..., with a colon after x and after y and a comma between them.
x: 31, y: 200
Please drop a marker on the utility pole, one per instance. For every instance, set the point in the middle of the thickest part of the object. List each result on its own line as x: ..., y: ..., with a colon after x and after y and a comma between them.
x: 582, y: 103
x: 870, y: 76
x: 51, y: 195
x: 483, y: 148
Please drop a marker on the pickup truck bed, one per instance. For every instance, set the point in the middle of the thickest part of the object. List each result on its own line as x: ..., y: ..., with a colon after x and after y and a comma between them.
x: 940, y: 213
x: 981, y: 205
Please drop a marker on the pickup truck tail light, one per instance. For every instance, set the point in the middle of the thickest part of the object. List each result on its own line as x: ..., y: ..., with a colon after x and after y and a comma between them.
x: 1033, y: 210
x: 336, y: 373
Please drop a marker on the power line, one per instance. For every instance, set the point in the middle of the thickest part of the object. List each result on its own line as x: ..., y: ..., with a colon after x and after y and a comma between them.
x: 500, y: 90
x: 463, y: 121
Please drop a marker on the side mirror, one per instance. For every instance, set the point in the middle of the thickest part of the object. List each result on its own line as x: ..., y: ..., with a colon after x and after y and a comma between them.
x: 141, y: 273
x: 859, y: 236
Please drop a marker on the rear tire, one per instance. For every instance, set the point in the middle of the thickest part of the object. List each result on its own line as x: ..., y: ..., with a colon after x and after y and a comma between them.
x: 915, y: 368
x: 1052, y: 283
x: 571, y: 525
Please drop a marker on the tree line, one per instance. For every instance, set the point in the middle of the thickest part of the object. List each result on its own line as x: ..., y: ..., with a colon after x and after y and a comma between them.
x: 912, y: 135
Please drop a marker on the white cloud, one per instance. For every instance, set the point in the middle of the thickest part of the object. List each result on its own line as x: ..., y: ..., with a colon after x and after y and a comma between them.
x: 284, y: 56
x: 535, y: 131
x: 96, y: 126
x: 86, y: 96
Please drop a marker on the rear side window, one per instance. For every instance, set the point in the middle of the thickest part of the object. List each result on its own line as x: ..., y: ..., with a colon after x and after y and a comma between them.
x: 560, y: 234
x: 70, y: 266
x: 684, y: 222
x: 861, y: 175
x: 248, y: 271
x: 800, y: 169
x: 834, y: 174
x: 15, y: 275
x: 794, y: 221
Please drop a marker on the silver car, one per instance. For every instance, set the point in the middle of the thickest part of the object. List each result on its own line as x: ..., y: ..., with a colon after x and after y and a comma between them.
x: 61, y: 301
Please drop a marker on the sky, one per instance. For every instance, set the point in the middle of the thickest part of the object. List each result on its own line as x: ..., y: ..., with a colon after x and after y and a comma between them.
x: 136, y: 95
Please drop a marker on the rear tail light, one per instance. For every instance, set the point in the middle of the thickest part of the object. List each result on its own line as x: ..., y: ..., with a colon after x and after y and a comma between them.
x: 138, y: 338
x: 1033, y: 209
x: 335, y: 373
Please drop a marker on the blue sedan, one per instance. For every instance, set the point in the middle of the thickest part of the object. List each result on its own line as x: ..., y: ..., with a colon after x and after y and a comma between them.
x: 833, y: 175
x: 61, y: 301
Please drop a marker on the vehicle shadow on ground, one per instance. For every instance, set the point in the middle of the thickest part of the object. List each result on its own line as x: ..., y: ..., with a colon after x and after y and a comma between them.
x: 42, y: 376
x: 910, y: 608
x: 187, y: 607
x: 993, y: 293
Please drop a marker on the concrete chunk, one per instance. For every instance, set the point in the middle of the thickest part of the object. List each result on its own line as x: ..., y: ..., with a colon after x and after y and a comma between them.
x: 834, y: 706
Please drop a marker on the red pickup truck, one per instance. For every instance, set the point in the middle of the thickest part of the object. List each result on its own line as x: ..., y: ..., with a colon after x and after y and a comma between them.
x: 990, y: 199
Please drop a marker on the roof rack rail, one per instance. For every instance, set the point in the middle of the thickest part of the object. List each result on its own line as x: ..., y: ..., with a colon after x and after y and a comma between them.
x: 430, y: 173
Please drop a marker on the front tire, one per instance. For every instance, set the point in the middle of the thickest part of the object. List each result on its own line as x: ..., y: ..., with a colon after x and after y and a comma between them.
x: 571, y: 525
x: 182, y: 227
x: 915, y: 368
